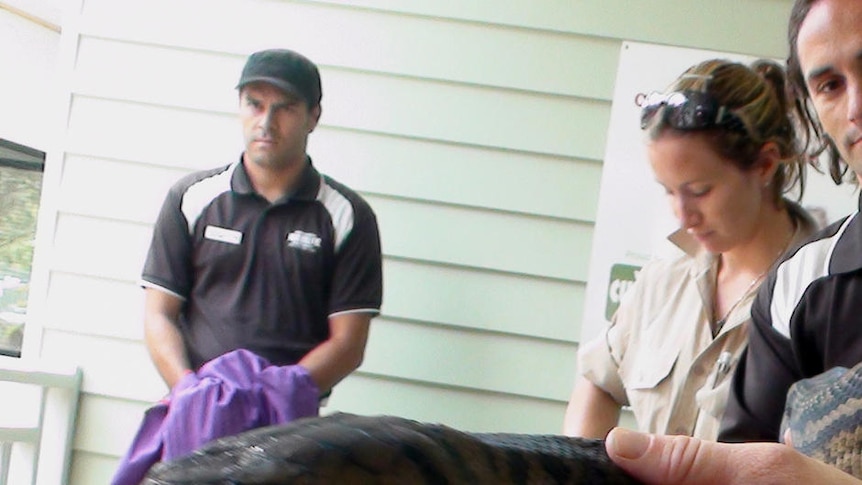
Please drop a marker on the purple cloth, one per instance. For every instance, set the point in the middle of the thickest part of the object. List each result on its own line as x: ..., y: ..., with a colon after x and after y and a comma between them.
x: 233, y: 393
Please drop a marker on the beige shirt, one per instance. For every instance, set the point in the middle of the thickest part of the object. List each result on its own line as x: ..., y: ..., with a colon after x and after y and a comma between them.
x: 659, y: 355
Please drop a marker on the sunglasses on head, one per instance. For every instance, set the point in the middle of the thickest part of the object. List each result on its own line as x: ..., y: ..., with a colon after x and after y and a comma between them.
x: 687, y: 110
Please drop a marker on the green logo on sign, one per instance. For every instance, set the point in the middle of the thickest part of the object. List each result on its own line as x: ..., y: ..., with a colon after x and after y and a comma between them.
x: 622, y: 277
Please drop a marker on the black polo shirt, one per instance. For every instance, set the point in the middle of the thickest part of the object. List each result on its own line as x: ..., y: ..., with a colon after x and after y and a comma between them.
x: 258, y: 275
x: 806, y: 319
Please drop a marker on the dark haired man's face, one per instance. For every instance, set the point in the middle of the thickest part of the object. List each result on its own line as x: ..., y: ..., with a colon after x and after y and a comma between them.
x: 830, y: 55
x: 275, y: 126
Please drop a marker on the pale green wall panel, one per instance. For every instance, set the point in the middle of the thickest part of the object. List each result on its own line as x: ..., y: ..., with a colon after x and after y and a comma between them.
x: 88, y: 468
x: 403, y: 45
x: 484, y: 239
x: 138, y: 202
x: 160, y: 75
x: 99, y: 358
x: 473, y: 115
x: 472, y: 176
x: 151, y: 134
x: 488, y: 361
x: 482, y: 300
x: 78, y: 247
x: 466, y: 409
x: 119, y: 314
x: 746, y: 26
x: 107, y: 425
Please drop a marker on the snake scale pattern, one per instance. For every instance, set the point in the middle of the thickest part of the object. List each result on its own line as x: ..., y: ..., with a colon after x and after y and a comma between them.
x: 824, y: 415
x: 351, y: 449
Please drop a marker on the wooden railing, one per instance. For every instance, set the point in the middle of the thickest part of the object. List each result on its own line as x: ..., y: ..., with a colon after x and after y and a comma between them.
x: 38, y: 411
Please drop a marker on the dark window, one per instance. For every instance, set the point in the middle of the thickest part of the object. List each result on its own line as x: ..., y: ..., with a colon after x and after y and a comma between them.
x: 21, y: 170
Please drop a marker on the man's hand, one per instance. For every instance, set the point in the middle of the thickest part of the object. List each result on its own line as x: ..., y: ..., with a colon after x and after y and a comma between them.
x: 682, y: 460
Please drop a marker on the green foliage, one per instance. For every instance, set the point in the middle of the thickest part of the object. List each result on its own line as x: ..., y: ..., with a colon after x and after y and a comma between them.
x: 19, y: 207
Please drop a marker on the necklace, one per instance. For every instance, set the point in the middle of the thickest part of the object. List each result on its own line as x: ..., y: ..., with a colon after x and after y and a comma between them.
x: 719, y: 323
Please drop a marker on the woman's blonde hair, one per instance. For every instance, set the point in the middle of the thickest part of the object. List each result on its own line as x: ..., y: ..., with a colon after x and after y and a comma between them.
x: 756, y: 95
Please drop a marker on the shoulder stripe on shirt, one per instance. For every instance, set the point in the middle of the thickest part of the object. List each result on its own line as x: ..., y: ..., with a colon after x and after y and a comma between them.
x: 340, y: 211
x: 796, y: 274
x: 200, y: 194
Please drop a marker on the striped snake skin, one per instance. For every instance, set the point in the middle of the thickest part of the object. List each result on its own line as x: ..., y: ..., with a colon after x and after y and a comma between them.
x: 824, y: 416
x: 350, y: 449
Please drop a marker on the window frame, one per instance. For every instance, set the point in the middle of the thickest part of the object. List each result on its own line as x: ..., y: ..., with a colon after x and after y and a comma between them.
x: 21, y: 157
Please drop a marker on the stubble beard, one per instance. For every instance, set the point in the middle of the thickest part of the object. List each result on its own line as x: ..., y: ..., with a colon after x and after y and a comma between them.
x: 267, y: 160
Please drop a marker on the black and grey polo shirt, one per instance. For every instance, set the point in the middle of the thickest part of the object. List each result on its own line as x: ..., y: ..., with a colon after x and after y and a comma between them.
x: 263, y: 276
x: 806, y: 319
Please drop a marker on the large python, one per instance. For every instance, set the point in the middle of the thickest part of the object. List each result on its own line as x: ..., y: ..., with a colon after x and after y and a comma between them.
x: 824, y: 415
x: 350, y: 449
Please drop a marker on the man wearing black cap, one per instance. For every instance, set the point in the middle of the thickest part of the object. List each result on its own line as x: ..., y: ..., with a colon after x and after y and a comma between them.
x: 265, y: 254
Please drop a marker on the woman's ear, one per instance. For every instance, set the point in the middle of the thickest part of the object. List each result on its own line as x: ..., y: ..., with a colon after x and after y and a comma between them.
x: 768, y: 161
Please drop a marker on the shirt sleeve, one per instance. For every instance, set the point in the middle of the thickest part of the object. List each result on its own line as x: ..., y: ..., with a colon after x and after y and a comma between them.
x: 168, y: 263
x: 598, y: 365
x: 599, y: 360
x: 357, y: 283
x: 765, y: 373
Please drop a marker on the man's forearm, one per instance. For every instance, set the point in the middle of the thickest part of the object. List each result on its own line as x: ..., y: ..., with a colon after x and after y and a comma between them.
x: 330, y: 362
x: 166, y: 348
x: 335, y: 358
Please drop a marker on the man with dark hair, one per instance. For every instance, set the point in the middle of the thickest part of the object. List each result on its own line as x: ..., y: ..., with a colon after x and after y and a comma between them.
x: 261, y: 281
x: 806, y: 318
x: 265, y: 254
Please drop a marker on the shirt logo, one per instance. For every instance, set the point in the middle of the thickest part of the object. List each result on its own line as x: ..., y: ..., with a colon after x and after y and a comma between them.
x: 221, y: 234
x: 305, y: 241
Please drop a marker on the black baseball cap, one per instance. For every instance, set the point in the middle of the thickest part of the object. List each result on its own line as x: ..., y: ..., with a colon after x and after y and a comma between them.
x: 285, y: 69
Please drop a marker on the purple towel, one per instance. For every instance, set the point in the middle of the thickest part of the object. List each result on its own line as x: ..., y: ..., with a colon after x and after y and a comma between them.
x: 230, y: 394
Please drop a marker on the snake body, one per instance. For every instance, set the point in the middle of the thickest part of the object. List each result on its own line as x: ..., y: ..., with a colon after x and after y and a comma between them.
x: 351, y: 449
x: 824, y: 416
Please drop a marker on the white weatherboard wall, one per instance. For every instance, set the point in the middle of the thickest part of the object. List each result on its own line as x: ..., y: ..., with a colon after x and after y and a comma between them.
x: 474, y: 129
x: 28, y: 87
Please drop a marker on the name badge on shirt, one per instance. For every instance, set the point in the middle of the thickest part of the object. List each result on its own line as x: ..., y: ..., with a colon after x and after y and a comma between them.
x: 221, y: 234
x: 305, y: 241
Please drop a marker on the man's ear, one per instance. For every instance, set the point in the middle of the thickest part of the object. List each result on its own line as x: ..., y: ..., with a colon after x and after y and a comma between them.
x: 314, y: 115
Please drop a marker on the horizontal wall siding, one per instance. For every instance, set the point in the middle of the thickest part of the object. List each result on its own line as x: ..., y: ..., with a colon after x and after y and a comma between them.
x: 754, y: 27
x: 552, y: 186
x: 512, y: 181
x: 91, y: 468
x: 491, y: 240
x: 30, y: 52
x: 368, y: 101
x: 384, y: 40
x: 510, y: 303
x: 474, y: 129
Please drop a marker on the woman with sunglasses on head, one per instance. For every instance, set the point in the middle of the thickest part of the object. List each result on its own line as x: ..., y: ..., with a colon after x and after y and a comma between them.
x: 721, y: 143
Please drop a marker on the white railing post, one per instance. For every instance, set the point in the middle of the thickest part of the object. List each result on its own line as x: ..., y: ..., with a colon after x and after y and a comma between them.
x: 38, y: 449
